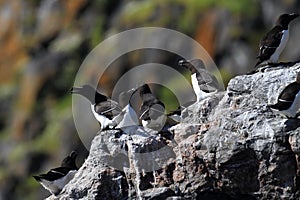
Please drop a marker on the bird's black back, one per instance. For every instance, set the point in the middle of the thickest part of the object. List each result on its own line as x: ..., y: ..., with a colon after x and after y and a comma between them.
x: 207, y: 81
x: 67, y: 164
x: 53, y: 174
x: 151, y: 107
x: 287, y: 96
x: 108, y: 108
x: 269, y: 43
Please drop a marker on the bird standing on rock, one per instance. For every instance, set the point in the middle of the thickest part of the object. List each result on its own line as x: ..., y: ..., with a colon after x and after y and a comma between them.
x: 204, y: 83
x: 55, y: 180
x: 109, y: 113
x: 289, y: 100
x: 103, y: 108
x: 152, y: 110
x: 273, y: 43
x: 128, y: 116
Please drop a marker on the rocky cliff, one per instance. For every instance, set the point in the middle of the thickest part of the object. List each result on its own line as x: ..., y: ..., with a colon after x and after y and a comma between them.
x: 229, y: 146
x: 44, y: 42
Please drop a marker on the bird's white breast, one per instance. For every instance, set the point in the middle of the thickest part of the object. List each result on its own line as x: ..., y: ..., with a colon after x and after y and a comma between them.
x: 285, y: 36
x: 199, y: 93
x: 104, y: 121
x: 56, y: 186
x: 129, y: 119
x: 196, y: 87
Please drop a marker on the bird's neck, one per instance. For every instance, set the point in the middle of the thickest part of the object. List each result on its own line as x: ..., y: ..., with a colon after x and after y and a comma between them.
x: 192, y: 69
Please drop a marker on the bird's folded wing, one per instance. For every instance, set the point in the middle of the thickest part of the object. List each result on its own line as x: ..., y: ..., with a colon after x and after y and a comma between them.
x: 269, y: 43
x: 285, y: 101
x: 108, y: 108
x: 207, y: 81
x: 144, y: 113
x: 289, y: 93
x: 55, y: 173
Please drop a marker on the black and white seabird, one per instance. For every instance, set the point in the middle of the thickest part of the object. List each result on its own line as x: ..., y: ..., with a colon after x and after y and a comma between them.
x: 288, y: 102
x: 204, y: 83
x: 152, y: 110
x: 128, y: 116
x: 55, y: 180
x: 273, y: 43
x: 103, y: 108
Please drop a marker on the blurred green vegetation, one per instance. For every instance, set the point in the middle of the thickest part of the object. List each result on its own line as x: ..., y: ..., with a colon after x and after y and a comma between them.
x: 41, y: 55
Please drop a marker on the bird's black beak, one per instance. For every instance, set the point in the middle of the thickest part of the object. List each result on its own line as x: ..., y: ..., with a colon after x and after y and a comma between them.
x: 75, y: 90
x: 182, y: 63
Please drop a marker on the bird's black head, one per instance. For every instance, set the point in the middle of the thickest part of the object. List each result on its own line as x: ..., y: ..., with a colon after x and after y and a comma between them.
x: 144, y: 89
x: 69, y: 161
x: 124, y: 97
x: 192, y: 65
x: 285, y: 19
x: 89, y: 92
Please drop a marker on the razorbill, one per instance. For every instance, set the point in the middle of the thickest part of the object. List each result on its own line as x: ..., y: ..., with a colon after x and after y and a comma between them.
x: 103, y: 108
x: 288, y: 102
x: 128, y: 116
x: 204, y: 83
x: 273, y: 43
x: 57, y: 178
x: 152, y: 110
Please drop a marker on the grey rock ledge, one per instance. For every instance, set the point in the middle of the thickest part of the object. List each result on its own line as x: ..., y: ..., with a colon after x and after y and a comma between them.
x: 229, y: 146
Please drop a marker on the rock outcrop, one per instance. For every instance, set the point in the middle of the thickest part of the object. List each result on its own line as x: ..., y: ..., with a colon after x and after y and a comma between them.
x: 228, y: 146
